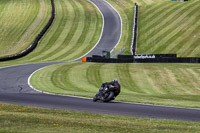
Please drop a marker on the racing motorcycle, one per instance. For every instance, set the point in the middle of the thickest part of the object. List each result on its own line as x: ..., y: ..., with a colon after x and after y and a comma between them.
x: 107, y: 94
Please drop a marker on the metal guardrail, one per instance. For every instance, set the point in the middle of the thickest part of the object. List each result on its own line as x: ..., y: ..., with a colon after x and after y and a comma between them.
x: 118, y: 53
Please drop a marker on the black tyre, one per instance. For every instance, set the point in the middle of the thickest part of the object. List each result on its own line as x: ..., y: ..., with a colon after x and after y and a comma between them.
x: 95, y: 98
x: 109, y: 96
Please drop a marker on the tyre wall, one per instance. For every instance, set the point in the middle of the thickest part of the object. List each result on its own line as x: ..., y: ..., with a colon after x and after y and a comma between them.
x: 134, y: 32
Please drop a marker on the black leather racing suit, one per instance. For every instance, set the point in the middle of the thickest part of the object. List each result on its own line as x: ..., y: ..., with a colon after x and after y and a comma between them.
x: 113, y: 86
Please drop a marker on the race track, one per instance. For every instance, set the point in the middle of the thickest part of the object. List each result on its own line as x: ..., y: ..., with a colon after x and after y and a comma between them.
x: 14, y: 86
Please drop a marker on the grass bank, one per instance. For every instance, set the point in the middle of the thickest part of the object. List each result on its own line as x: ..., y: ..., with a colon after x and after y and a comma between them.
x: 169, y: 27
x: 76, y: 29
x: 28, y: 119
x: 164, y: 26
x: 20, y: 22
x: 125, y: 8
x: 165, y: 84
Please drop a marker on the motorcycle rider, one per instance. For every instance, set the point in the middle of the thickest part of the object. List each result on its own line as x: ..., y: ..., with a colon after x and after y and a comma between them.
x: 113, y: 85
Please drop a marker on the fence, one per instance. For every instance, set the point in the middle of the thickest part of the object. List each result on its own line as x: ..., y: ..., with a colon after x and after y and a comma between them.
x: 134, y: 32
x: 157, y: 58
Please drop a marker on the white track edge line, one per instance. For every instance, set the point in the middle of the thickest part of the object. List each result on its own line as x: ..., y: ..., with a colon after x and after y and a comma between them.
x: 83, y: 56
x: 120, y: 21
x: 43, y: 92
x: 90, y: 51
x: 102, y: 29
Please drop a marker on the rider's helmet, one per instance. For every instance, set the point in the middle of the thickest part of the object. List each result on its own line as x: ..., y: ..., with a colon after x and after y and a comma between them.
x: 115, y: 80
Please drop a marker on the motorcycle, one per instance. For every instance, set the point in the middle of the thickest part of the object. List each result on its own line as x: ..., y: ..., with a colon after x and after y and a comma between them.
x: 107, y: 95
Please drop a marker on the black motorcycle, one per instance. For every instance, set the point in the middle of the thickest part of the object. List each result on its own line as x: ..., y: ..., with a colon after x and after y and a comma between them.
x: 107, y: 94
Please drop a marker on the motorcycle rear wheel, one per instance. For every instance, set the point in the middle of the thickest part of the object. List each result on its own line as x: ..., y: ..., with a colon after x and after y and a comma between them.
x: 109, y: 97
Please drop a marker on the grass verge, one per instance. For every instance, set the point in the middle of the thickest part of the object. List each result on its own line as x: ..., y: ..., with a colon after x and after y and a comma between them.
x: 76, y: 29
x: 15, y: 118
x: 165, y: 84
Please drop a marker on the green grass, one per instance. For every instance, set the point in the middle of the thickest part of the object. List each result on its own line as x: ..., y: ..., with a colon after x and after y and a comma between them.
x: 20, y: 22
x: 125, y: 9
x: 78, y: 25
x: 163, y: 26
x: 75, y: 31
x: 15, y: 118
x: 169, y: 27
x: 163, y: 84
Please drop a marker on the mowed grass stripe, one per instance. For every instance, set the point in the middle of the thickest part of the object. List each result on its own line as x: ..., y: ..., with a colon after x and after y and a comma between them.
x: 75, y: 31
x: 26, y: 39
x: 80, y: 25
x: 174, y: 31
x: 82, y: 83
x: 128, y: 80
x: 190, y: 43
x: 185, y: 79
x: 146, y: 2
x: 27, y: 15
x: 187, y: 40
x: 151, y: 76
x: 137, y: 77
x: 158, y: 28
x: 72, y: 35
x: 24, y: 14
x: 19, y: 16
x: 155, y: 8
x: 107, y: 73
x: 158, y: 15
x: 172, y: 38
x: 94, y: 76
x: 195, y: 78
x: 11, y: 20
x: 42, y: 18
x: 60, y: 28
x: 88, y: 35
x: 61, y: 82
x: 14, y: 17
x: 125, y: 9
x: 147, y: 83
x: 3, y: 6
x: 171, y: 82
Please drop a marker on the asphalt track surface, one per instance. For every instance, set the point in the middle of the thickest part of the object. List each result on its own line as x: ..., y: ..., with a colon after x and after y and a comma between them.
x: 14, y: 87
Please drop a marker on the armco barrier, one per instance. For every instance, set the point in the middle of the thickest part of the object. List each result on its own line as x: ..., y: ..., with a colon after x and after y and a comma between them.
x: 134, y: 32
x: 37, y: 39
x: 142, y: 58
